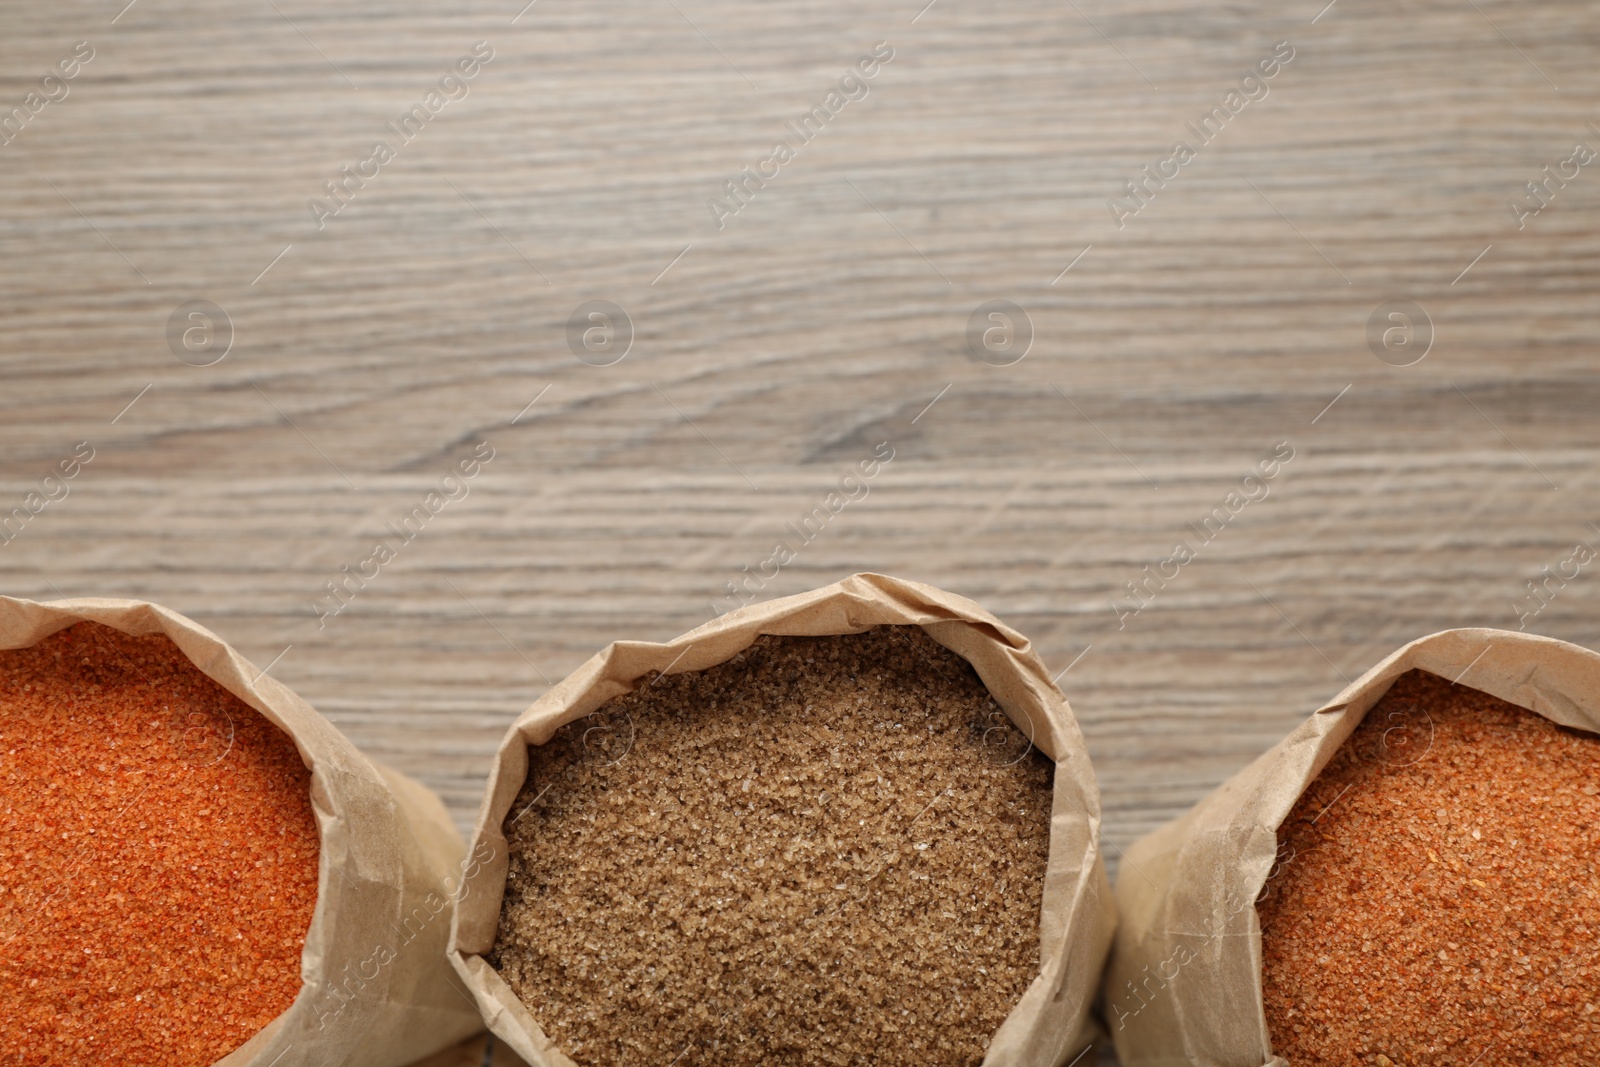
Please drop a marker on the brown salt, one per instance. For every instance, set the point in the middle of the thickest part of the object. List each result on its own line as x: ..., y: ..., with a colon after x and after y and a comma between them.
x: 158, y: 857
x: 1436, y: 899
x: 824, y: 851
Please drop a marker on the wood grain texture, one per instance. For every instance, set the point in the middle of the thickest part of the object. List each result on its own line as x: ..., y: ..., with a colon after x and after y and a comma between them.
x: 828, y: 313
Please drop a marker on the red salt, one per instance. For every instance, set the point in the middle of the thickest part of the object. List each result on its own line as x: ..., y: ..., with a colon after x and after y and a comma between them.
x: 1437, y: 898
x: 158, y: 857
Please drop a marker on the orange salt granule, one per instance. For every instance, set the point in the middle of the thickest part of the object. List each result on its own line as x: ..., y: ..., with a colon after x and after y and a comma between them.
x: 158, y: 857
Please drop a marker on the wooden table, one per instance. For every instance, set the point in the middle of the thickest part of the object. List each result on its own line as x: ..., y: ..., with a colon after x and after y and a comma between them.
x: 1179, y: 334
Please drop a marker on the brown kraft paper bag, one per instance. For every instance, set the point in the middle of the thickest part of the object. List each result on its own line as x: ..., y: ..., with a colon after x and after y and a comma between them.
x: 376, y: 990
x: 1051, y: 1024
x: 1184, y: 984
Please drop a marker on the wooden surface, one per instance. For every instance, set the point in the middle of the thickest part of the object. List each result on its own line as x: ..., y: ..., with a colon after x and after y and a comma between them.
x: 826, y: 317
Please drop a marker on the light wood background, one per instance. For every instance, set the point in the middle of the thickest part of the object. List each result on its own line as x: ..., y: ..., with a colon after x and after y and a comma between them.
x: 826, y: 317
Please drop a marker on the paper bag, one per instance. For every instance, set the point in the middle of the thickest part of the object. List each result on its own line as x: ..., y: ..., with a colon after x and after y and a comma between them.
x: 1184, y: 985
x: 376, y: 988
x: 1051, y: 1024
